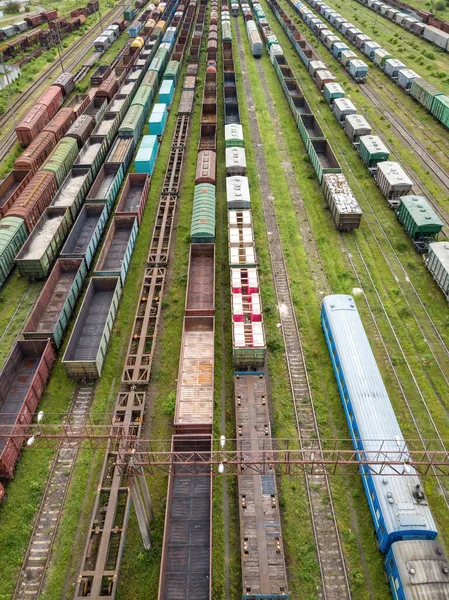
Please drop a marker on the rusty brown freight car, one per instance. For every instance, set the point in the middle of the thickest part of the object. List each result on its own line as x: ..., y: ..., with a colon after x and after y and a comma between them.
x: 52, y: 100
x: 205, y: 167
x: 200, y: 294
x: 134, y: 196
x: 11, y: 187
x: 79, y: 103
x: 32, y: 124
x: 34, y: 156
x: 195, y: 394
x: 22, y: 381
x: 108, y: 88
x: 34, y: 199
x: 60, y: 123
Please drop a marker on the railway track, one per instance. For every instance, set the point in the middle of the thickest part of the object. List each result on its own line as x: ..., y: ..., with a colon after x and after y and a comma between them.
x: 334, y: 577
x: 75, y: 53
x: 37, y: 557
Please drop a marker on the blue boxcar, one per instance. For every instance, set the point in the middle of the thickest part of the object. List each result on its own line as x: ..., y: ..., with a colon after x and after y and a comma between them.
x: 166, y: 92
x: 147, y: 154
x: 158, y: 119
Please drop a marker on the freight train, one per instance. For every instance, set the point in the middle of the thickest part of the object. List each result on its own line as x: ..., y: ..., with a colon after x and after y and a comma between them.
x: 91, y: 176
x: 344, y: 207
x: 415, y: 562
x: 414, y: 212
x: 425, y: 93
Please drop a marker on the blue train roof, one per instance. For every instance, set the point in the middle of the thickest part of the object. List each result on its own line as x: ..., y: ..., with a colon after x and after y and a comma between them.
x: 375, y: 418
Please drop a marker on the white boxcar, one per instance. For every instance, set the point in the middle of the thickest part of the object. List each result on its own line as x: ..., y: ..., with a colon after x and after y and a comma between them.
x: 356, y: 126
x: 437, y: 261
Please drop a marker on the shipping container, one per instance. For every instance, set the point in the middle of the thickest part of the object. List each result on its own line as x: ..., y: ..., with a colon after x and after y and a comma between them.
x: 117, y: 248
x: 87, y: 348
x: 419, y: 220
x: 166, y: 92
x: 37, y: 255
x: 61, y: 159
x: 344, y: 207
x: 73, y: 191
x: 195, y: 393
x: 54, y: 308
x: 106, y: 185
x: 437, y: 261
x: 11, y: 187
x: 22, y: 382
x: 13, y: 235
x: 34, y: 199
x: 200, y: 294
x: 158, y: 119
x: 134, y: 196
x: 85, y: 235
x: 147, y: 154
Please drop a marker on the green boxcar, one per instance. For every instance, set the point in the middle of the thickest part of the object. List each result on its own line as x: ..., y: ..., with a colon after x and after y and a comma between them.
x: 440, y: 109
x: 424, y: 92
x: 54, y: 308
x: 372, y: 150
x: 322, y: 158
x: 163, y: 55
x: 88, y: 345
x: 129, y: 13
x: 144, y: 98
x: 36, y: 257
x: 172, y: 71
x: 13, y: 235
x: 419, y: 220
x: 132, y: 124
x: 157, y: 66
x: 150, y: 78
x: 203, y: 215
x: 61, y: 159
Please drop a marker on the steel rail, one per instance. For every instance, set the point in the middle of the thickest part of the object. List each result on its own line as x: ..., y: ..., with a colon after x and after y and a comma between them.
x: 334, y: 576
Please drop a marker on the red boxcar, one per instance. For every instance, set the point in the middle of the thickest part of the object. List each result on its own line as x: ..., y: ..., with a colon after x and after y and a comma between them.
x: 61, y: 123
x: 11, y: 187
x: 49, y: 15
x: 32, y: 124
x: 34, y: 199
x: 52, y: 100
x: 36, y: 153
x: 22, y: 382
x: 33, y: 20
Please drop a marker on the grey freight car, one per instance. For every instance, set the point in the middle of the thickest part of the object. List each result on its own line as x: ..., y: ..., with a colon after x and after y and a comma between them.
x: 437, y: 261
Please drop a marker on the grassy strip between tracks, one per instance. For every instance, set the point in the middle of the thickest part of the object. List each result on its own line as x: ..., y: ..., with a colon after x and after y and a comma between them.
x: 429, y: 132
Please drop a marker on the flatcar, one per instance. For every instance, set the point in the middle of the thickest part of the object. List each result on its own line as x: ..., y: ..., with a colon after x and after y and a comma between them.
x: 398, y: 504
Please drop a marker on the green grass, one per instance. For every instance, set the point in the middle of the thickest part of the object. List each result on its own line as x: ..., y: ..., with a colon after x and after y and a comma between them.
x: 425, y: 58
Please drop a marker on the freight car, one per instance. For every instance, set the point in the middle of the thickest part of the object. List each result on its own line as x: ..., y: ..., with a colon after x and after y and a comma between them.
x: 426, y: 94
x: 373, y: 427
x: 437, y: 261
x: 419, y: 221
x: 22, y: 381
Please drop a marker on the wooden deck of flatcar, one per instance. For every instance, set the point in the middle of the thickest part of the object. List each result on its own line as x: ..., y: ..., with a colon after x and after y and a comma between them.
x: 262, y: 549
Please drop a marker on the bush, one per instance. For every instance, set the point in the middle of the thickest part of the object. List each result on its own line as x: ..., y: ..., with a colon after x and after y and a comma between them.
x: 440, y: 5
x: 11, y: 8
x: 169, y: 404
